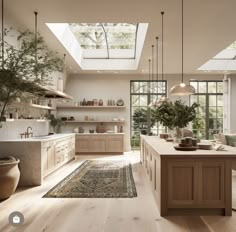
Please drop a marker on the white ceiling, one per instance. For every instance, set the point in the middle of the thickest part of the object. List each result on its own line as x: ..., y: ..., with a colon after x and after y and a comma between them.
x: 209, y: 25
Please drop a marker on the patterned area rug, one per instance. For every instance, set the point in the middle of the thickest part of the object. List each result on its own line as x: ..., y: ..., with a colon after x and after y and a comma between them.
x: 97, y: 179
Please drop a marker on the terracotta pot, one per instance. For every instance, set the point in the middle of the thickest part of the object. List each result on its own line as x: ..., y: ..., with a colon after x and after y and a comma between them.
x: 9, y: 176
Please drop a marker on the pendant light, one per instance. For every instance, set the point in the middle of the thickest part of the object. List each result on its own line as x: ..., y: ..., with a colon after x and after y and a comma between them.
x: 163, y: 97
x: 182, y: 89
x: 151, y: 105
x: 155, y: 102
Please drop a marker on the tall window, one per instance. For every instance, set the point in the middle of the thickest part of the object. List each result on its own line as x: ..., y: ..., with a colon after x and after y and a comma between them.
x: 209, y: 95
x: 142, y: 93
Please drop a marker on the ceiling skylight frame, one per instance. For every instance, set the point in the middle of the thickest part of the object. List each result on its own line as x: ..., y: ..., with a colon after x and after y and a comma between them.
x: 108, y: 54
x: 223, y: 61
x: 70, y: 42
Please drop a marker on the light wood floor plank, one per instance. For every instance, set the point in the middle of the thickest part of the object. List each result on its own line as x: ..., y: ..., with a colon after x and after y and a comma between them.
x: 102, y: 215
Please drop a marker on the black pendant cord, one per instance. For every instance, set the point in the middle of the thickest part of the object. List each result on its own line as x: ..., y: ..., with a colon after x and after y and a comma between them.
x: 2, y: 34
x: 149, y: 65
x: 182, y: 41
x: 152, y: 62
x: 152, y: 69
x: 64, y: 61
x: 36, y: 41
x: 162, y: 48
x: 149, y: 76
x: 157, y: 63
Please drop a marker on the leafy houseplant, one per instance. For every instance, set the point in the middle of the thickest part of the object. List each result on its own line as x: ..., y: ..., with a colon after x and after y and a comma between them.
x: 140, y: 118
x: 175, y: 115
x: 25, y: 66
x: 56, y: 123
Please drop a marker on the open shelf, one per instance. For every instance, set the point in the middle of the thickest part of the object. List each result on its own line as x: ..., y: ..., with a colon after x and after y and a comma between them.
x: 26, y: 120
x: 43, y: 107
x: 90, y: 107
x: 100, y: 121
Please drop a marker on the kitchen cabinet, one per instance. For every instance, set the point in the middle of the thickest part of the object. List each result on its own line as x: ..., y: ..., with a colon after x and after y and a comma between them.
x: 82, y: 144
x: 48, y: 151
x: 56, y: 153
x: 100, y: 143
x: 39, y: 156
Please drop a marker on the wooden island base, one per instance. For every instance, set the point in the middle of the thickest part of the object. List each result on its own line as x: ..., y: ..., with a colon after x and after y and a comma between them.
x: 188, y: 183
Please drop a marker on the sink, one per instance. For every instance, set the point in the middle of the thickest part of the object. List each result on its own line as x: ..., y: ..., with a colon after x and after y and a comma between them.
x: 41, y: 137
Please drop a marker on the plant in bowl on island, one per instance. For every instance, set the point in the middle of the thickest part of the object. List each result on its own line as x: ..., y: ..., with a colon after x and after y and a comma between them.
x: 176, y: 115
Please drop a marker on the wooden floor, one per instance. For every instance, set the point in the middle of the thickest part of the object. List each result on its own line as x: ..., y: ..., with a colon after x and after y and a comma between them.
x: 138, y: 214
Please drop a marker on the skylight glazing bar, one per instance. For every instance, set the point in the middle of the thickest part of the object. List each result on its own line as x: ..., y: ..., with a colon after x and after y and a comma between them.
x: 136, y: 37
x: 106, y: 41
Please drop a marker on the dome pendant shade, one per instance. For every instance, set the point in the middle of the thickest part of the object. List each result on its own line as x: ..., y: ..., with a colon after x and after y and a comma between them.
x: 182, y: 89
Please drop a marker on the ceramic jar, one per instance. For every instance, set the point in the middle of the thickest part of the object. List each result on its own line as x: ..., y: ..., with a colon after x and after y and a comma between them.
x: 9, y: 176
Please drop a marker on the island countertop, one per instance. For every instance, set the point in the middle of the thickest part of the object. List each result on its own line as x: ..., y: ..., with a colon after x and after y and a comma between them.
x: 164, y: 148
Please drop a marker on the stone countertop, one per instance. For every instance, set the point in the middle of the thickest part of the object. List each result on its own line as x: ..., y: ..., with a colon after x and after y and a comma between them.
x: 164, y: 148
x: 45, y: 138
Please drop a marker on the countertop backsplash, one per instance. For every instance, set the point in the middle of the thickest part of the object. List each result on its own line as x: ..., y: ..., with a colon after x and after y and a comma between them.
x: 12, y: 130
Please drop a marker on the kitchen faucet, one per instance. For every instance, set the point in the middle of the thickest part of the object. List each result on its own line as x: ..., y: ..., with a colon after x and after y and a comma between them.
x: 27, y: 133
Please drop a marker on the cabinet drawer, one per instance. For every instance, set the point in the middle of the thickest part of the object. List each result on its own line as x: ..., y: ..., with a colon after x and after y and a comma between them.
x: 112, y: 137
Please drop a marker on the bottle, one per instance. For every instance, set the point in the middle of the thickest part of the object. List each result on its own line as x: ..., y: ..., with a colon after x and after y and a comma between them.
x: 50, y: 103
x: 16, y: 114
x: 121, y: 129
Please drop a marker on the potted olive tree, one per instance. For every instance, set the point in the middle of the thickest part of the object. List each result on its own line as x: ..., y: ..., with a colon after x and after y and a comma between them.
x: 175, y: 115
x: 24, y: 67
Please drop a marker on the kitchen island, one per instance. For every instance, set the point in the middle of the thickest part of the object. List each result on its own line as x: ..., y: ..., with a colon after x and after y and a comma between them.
x: 39, y: 156
x: 188, y: 183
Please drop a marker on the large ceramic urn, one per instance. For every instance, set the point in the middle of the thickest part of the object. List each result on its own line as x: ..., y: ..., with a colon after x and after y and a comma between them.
x: 9, y: 176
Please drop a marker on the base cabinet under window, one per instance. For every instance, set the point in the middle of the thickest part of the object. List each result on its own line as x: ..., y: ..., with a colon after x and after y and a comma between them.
x: 101, y: 143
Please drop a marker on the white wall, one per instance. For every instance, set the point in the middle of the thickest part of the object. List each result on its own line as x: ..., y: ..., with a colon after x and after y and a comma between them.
x: 113, y: 86
x: 12, y: 130
x: 232, y: 103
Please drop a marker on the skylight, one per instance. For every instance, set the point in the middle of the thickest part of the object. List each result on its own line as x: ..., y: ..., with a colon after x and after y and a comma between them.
x: 223, y: 61
x: 102, y: 46
x: 106, y: 40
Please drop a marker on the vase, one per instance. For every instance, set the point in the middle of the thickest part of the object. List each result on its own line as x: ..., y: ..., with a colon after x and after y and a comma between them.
x: 178, y: 134
x: 9, y: 176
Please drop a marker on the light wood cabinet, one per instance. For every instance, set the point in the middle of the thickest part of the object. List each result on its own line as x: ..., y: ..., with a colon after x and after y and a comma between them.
x: 98, y: 144
x: 82, y: 144
x: 114, y: 144
x: 56, y: 153
x: 48, y: 156
x: 102, y: 143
